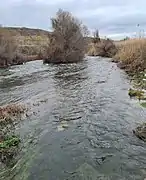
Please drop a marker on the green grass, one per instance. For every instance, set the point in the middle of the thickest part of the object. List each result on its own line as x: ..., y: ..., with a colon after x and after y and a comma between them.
x: 143, y: 104
x: 9, y: 147
x: 9, y: 142
x: 136, y: 93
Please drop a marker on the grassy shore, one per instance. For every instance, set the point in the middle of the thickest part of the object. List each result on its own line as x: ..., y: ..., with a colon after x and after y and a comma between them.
x: 9, y: 141
x: 131, y: 56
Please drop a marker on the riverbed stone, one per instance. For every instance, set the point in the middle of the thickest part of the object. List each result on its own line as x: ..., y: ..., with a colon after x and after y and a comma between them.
x: 140, y: 132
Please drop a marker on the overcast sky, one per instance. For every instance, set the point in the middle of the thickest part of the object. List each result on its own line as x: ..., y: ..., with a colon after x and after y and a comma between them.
x: 113, y: 18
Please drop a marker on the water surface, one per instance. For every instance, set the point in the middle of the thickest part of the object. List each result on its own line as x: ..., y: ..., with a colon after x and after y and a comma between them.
x: 81, y: 122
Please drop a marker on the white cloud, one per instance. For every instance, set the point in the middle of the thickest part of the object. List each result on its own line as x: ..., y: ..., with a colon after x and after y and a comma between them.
x: 54, y: 1
x: 114, y: 18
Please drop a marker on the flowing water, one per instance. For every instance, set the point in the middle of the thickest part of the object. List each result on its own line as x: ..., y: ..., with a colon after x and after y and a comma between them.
x: 81, y: 122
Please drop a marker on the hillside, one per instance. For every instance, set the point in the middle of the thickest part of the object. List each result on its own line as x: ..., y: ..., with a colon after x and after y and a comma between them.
x: 23, y: 31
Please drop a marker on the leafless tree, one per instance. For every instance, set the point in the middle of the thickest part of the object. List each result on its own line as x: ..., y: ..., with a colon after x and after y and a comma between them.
x: 67, y: 42
x: 96, y: 38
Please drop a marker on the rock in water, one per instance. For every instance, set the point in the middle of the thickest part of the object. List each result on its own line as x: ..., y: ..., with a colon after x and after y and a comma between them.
x: 140, y: 132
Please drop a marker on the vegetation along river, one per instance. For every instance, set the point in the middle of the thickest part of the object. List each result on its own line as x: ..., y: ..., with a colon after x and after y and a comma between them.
x: 81, y: 122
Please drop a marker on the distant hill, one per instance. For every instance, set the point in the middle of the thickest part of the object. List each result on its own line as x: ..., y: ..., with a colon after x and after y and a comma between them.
x: 23, y: 31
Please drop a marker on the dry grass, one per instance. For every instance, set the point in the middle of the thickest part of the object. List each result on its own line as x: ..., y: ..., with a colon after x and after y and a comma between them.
x: 10, y: 112
x: 9, y: 54
x: 92, y: 50
x: 132, y: 55
x: 32, y: 45
x: 7, y: 48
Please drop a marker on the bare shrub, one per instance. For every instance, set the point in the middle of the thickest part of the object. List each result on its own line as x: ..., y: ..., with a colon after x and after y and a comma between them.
x: 67, y: 41
x: 8, y: 50
x: 132, y: 55
x: 107, y: 48
x: 102, y: 47
x: 96, y: 38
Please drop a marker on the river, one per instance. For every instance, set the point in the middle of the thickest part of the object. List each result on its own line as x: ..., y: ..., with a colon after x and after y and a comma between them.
x: 81, y: 121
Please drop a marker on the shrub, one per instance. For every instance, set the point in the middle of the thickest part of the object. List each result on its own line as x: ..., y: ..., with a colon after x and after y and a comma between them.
x: 132, y: 55
x: 67, y: 41
x: 8, y: 50
x: 102, y: 47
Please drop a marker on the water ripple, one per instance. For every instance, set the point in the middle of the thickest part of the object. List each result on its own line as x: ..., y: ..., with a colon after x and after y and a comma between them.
x: 86, y: 117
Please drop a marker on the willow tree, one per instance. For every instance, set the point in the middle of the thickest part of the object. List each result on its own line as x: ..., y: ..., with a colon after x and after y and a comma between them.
x: 67, y: 43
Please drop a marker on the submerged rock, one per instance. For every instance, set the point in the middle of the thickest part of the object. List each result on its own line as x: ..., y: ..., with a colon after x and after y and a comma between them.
x: 140, y: 132
x: 101, y: 82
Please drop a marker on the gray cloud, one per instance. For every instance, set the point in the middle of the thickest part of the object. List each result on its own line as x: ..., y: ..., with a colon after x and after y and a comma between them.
x: 113, y: 18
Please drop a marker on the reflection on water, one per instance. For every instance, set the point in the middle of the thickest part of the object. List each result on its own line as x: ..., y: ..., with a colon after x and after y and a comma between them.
x: 84, y: 129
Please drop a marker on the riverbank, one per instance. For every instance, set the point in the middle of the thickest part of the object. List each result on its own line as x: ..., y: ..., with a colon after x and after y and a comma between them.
x: 131, y: 57
x: 10, y: 115
x: 24, y: 59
